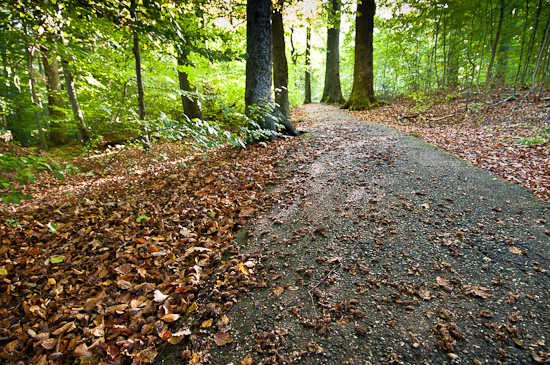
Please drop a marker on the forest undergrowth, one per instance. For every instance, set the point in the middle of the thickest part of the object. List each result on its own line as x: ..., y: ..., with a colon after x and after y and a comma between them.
x: 114, y: 274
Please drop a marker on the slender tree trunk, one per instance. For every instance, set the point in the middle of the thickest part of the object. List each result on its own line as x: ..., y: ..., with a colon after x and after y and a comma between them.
x: 190, y: 104
x: 332, y: 92
x: 542, y: 52
x: 116, y: 118
x: 362, y: 93
x: 258, y: 103
x: 83, y: 133
x: 58, y: 129
x: 522, y: 45
x: 280, y: 64
x: 308, y: 67
x: 141, y: 93
x: 470, y: 60
x: 34, y: 97
x: 489, y: 76
x: 531, y: 43
x: 504, y: 48
x: 437, y: 22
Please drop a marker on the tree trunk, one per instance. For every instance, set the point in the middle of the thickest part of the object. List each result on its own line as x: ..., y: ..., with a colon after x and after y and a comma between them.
x: 58, y: 130
x: 280, y: 65
x: 191, y: 106
x: 504, y: 48
x: 542, y: 52
x: 34, y: 97
x: 332, y: 92
x: 308, y: 67
x: 522, y: 45
x: 488, y: 78
x: 531, y: 43
x: 362, y: 93
x: 83, y: 133
x: 258, y: 103
x: 141, y: 93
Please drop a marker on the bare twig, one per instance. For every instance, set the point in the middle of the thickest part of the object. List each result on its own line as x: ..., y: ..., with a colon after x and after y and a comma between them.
x: 529, y: 92
x: 510, y: 98
x: 326, y: 276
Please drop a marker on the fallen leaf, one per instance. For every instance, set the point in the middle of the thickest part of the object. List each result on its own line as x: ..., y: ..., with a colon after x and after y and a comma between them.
x: 206, y: 323
x: 517, y: 251
x: 68, y: 327
x: 82, y: 352
x: 248, y: 360
x: 159, y: 297
x: 278, y: 291
x: 243, y: 268
x: 425, y: 294
x: 171, y: 317
x: 222, y: 338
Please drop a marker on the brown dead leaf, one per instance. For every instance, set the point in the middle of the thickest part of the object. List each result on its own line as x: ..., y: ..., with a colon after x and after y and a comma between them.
x: 517, y: 251
x: 171, y: 317
x: 278, y: 291
x: 222, y: 338
x: 248, y: 360
x: 479, y: 291
x: 82, y: 352
x: 425, y: 294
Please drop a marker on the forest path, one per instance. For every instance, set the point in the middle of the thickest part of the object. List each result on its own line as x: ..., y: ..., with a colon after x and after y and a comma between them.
x: 380, y: 248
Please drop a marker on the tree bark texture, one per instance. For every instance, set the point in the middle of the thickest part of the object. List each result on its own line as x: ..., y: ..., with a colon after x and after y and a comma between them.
x: 141, y: 92
x: 489, y: 76
x: 191, y: 106
x: 542, y: 52
x: 83, y: 133
x: 34, y: 97
x: 280, y: 64
x: 308, y: 67
x: 58, y: 129
x: 362, y: 93
x: 258, y: 103
x: 531, y: 43
x: 332, y: 92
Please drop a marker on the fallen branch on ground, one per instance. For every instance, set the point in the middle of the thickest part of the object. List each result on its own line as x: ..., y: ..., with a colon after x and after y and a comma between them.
x: 510, y: 98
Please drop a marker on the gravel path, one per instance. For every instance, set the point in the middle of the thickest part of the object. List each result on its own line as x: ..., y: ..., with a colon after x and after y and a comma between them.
x: 380, y: 248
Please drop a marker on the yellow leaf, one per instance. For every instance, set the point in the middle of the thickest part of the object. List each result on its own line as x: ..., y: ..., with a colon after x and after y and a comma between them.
x: 192, y: 307
x: 206, y: 323
x: 243, y: 268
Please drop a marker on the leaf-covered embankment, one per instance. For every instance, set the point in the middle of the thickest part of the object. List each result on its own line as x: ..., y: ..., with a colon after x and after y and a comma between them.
x: 106, y: 278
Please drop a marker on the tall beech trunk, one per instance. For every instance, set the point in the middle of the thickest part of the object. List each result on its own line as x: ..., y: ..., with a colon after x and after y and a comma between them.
x: 531, y: 43
x: 34, y: 97
x: 542, y: 54
x: 280, y: 64
x: 141, y: 92
x: 191, y: 106
x: 489, y: 76
x: 308, y: 67
x: 58, y: 129
x: 332, y: 92
x: 362, y: 93
x: 258, y: 103
x: 83, y: 133
x: 522, y: 45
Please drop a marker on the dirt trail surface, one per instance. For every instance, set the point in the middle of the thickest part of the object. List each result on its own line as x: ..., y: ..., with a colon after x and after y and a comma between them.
x: 379, y: 248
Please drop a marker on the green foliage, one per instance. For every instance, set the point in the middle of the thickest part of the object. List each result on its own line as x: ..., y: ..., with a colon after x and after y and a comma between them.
x: 20, y: 170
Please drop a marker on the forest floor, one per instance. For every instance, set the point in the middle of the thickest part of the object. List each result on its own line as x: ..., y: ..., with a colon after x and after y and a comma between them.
x: 366, y: 245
